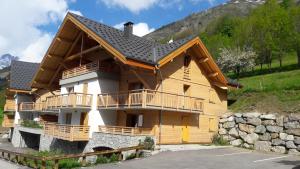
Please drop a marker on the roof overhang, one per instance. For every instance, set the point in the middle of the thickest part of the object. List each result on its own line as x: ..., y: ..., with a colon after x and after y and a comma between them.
x: 102, y: 43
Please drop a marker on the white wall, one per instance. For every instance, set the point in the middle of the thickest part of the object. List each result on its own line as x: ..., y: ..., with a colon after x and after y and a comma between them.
x: 95, y: 117
x: 19, y: 98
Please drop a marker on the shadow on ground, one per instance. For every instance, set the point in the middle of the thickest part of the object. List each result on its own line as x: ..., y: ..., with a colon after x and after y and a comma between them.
x: 294, y: 164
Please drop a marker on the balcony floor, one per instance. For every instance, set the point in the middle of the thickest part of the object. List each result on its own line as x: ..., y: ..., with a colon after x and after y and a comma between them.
x: 140, y: 107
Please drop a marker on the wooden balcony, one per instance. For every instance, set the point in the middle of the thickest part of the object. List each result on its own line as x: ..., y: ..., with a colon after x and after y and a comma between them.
x: 10, y: 105
x: 133, y: 131
x: 8, y: 121
x: 31, y: 106
x: 150, y: 99
x: 71, y: 100
x: 67, y: 132
x: 84, y: 69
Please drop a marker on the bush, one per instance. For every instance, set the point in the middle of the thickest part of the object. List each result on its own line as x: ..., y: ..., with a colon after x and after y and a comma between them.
x: 219, y: 140
x: 69, y: 163
x: 102, y: 160
x: 131, y: 156
x: 31, y: 124
x: 148, y: 143
x: 113, y: 158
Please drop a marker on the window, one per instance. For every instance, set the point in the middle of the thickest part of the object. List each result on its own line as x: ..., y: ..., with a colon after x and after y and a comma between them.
x: 187, y: 61
x: 70, y: 89
x: 134, y: 120
x: 68, y: 118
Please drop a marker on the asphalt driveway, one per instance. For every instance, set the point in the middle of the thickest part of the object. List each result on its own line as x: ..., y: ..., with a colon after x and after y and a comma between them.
x: 224, y: 158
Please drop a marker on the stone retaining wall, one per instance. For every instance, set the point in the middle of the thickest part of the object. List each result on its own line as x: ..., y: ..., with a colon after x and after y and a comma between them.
x: 264, y: 132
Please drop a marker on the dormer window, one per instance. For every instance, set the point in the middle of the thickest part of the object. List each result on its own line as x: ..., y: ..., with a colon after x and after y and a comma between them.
x: 187, y: 61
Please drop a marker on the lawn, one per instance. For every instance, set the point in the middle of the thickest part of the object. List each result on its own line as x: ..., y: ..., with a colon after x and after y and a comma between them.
x: 279, y: 92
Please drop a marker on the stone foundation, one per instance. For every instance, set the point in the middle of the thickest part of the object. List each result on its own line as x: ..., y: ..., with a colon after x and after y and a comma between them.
x: 113, y: 141
x: 35, y: 138
x: 264, y: 132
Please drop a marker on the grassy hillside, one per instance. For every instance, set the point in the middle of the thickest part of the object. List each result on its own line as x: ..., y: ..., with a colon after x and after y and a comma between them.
x: 277, y: 91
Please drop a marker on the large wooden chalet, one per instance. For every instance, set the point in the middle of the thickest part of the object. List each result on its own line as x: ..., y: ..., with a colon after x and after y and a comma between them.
x: 98, y: 79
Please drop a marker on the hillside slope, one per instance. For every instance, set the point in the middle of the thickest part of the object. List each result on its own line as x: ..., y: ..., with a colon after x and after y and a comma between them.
x: 197, y: 22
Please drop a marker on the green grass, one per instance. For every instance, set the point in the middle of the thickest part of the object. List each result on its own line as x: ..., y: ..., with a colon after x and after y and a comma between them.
x: 276, y: 92
x: 269, y: 90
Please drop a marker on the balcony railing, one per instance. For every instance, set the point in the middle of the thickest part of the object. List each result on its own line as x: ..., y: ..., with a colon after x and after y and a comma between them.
x: 150, y: 99
x: 10, y: 105
x: 77, y: 71
x: 71, y: 100
x: 31, y: 106
x: 126, y: 130
x: 8, y: 121
x: 67, y: 132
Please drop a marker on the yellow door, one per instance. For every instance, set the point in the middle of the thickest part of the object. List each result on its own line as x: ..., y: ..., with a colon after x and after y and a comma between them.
x: 185, y: 129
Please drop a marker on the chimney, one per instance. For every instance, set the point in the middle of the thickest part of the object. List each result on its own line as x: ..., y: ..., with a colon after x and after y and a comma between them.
x: 128, y: 28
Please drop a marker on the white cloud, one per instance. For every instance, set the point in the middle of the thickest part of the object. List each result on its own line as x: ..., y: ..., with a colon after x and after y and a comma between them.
x: 139, y: 29
x: 21, y: 34
x: 134, y: 6
x: 142, y: 29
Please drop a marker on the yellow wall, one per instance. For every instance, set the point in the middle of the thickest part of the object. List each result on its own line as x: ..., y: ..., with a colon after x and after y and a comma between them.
x: 202, y: 126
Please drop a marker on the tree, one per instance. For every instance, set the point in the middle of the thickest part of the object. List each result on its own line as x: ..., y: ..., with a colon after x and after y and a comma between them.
x: 270, y: 31
x: 236, y: 60
x: 295, y: 16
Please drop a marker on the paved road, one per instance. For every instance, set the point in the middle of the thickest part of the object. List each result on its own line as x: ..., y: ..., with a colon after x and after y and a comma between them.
x: 222, y: 158
x: 7, y: 165
x: 225, y: 158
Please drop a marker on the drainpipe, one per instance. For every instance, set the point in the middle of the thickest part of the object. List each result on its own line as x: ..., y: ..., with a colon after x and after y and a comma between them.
x: 161, y: 102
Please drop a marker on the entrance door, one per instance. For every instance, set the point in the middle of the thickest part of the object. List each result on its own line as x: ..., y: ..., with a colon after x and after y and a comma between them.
x: 185, y: 129
x: 84, y: 119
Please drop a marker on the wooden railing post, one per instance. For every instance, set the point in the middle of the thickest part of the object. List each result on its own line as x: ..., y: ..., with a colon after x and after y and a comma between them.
x: 106, y: 102
x: 56, y: 164
x: 43, y: 163
x: 144, y: 98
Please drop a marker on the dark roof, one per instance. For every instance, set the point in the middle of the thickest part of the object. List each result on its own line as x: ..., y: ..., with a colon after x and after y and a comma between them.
x: 21, y: 74
x: 134, y: 47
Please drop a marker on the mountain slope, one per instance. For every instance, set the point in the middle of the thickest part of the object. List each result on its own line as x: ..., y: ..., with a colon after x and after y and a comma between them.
x: 197, y: 22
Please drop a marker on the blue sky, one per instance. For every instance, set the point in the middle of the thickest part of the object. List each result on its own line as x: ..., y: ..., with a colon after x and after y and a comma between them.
x: 155, y: 16
x: 31, y: 25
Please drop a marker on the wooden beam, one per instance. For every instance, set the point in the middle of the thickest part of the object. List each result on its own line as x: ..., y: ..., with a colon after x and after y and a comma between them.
x: 56, y: 57
x: 74, y: 44
x: 203, y: 60
x: 44, y: 68
x: 82, y: 53
x: 65, y: 40
x: 64, y: 65
x: 141, y: 65
x: 213, y: 74
x: 54, y: 76
x: 140, y: 78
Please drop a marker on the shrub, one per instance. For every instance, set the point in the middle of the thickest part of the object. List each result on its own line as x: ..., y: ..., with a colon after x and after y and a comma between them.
x: 31, y: 124
x: 69, y: 163
x: 113, y: 158
x: 102, y: 160
x: 131, y: 156
x: 148, y: 143
x: 219, y: 140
